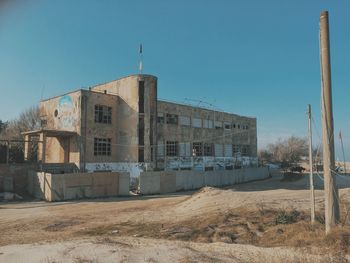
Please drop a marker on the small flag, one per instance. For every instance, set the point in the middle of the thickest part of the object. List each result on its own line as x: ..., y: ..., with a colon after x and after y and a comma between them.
x: 140, y: 48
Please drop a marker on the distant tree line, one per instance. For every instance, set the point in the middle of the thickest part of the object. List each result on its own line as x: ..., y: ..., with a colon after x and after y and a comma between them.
x: 285, y: 152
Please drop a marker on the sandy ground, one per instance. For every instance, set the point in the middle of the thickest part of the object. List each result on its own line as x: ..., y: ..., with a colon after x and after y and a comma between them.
x: 136, y: 229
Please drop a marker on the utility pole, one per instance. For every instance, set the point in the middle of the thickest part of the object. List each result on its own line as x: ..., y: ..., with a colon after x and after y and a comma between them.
x: 342, y: 148
x: 331, y: 191
x: 312, y: 196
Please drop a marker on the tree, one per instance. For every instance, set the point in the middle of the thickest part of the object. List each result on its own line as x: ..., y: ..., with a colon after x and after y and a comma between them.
x: 12, y: 130
x: 2, y: 126
x: 286, y: 152
x: 264, y: 156
x: 28, y: 120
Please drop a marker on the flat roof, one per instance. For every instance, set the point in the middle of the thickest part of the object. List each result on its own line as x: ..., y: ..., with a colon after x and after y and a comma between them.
x: 49, y: 133
x: 82, y: 89
x: 203, y: 108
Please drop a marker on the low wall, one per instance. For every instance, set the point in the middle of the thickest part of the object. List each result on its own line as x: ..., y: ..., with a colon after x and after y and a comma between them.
x: 59, y: 187
x: 13, y: 177
x: 172, y: 181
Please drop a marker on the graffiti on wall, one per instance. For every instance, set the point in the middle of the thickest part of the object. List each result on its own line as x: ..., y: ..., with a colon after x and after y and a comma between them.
x: 66, y: 113
x: 133, y: 168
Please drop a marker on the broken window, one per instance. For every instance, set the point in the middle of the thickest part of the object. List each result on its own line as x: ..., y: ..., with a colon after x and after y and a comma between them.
x: 43, y: 123
x: 218, y: 150
x: 218, y: 124
x: 228, y: 150
x: 171, y: 148
x: 103, y: 114
x: 160, y: 117
x: 208, y: 149
x: 102, y: 146
x: 197, y: 122
x: 172, y: 118
x: 160, y: 149
x: 236, y: 149
x: 227, y: 125
x: 185, y: 149
x: 185, y: 120
x: 245, y: 150
x: 197, y: 149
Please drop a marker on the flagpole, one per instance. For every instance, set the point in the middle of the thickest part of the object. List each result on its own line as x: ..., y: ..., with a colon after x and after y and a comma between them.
x: 141, y: 58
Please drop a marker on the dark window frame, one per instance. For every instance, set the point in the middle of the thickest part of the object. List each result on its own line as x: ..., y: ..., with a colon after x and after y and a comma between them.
x: 208, y: 149
x: 197, y: 149
x: 172, y: 148
x: 172, y: 119
x: 102, y: 146
x: 103, y: 114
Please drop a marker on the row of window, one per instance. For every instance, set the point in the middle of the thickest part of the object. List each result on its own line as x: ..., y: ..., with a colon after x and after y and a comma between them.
x: 174, y: 148
x: 102, y: 147
x: 198, y: 122
x: 103, y: 114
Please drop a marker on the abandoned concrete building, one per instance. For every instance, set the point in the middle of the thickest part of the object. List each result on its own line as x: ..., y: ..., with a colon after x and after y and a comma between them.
x: 122, y: 126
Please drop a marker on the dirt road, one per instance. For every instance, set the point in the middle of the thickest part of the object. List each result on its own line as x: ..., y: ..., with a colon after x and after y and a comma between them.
x: 210, y: 225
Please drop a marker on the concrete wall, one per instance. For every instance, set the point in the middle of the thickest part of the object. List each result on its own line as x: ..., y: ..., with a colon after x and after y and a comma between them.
x: 59, y: 187
x: 167, y: 182
x: 13, y: 177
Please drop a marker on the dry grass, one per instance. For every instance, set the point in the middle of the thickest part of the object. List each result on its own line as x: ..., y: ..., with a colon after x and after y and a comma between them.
x: 242, y: 226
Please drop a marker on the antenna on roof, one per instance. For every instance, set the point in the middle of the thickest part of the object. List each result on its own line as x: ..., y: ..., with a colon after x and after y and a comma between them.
x: 141, y: 58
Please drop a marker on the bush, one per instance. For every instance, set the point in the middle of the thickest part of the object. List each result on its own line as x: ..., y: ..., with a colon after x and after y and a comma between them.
x: 285, y: 217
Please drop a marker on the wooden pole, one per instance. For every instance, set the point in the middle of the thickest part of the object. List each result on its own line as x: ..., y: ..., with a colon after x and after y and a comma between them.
x: 312, y: 196
x: 342, y: 148
x: 331, y: 191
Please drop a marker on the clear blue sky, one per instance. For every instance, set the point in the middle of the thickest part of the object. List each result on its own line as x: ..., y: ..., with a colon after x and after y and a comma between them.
x: 256, y: 58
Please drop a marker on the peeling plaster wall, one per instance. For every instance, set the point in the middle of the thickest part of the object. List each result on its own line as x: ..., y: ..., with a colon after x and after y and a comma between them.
x: 53, y: 143
x: 91, y: 129
x: 127, y: 90
x: 62, y: 113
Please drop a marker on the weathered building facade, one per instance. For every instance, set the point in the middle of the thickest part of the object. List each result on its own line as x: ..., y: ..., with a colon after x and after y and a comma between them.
x: 122, y: 126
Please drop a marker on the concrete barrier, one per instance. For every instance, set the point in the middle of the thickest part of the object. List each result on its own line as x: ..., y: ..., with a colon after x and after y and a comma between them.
x: 167, y: 182
x: 59, y: 187
x: 13, y: 177
x: 150, y: 182
x: 172, y: 181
